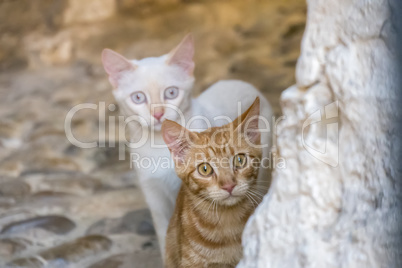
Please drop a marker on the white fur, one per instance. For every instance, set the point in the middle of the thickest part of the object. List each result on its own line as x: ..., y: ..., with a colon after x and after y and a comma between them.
x: 152, y: 76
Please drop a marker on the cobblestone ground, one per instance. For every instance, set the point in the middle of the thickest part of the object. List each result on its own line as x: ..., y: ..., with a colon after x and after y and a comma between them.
x: 61, y: 205
x: 64, y: 206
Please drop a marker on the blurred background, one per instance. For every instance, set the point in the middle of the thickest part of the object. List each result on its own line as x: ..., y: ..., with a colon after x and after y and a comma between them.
x: 62, y: 205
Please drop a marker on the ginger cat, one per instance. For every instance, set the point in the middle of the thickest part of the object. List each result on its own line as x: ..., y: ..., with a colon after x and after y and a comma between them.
x: 219, y: 169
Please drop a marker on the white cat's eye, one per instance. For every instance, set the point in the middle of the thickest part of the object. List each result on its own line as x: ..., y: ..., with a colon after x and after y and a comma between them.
x: 239, y: 161
x: 138, y: 97
x: 171, y: 93
x: 205, y: 169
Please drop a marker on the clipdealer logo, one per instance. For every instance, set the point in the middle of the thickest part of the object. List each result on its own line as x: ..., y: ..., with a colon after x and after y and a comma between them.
x: 324, y: 124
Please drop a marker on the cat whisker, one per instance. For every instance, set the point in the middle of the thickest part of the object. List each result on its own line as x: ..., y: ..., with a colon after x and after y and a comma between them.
x: 255, y: 195
x: 202, y: 200
x: 213, y: 200
x: 259, y: 187
x: 262, y: 185
x: 256, y: 192
x: 251, y: 201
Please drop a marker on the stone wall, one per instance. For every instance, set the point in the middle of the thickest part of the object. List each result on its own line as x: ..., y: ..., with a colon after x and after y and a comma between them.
x: 337, y: 202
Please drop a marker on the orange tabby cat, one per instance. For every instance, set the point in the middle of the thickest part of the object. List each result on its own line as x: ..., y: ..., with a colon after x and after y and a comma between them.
x: 219, y: 169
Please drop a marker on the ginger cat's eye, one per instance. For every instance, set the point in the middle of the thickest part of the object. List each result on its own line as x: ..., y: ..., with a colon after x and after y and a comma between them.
x: 138, y: 97
x: 205, y: 169
x: 240, y: 160
x: 171, y: 93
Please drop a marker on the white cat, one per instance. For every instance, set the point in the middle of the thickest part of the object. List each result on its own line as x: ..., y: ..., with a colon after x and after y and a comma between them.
x: 150, y: 88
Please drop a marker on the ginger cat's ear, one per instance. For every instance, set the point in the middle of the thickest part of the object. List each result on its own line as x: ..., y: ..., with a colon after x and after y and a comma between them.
x: 247, y: 123
x: 114, y: 65
x: 177, y: 138
x: 182, y: 55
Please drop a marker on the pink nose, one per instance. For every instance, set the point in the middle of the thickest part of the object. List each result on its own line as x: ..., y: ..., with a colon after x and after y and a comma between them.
x: 158, y: 115
x: 229, y: 187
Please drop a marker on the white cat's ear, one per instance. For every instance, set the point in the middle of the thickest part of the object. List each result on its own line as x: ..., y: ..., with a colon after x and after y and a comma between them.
x: 114, y: 65
x: 177, y: 138
x: 182, y: 55
x: 247, y: 123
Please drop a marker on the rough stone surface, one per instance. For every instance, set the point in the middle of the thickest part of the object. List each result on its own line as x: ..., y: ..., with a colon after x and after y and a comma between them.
x: 67, y: 254
x: 139, y: 222
x: 143, y: 259
x: 337, y: 203
x: 52, y: 223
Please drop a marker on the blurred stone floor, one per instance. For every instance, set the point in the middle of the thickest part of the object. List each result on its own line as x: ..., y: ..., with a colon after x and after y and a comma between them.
x: 64, y: 206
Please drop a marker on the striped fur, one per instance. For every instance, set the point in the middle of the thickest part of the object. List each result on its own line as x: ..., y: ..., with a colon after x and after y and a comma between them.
x: 207, y: 225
